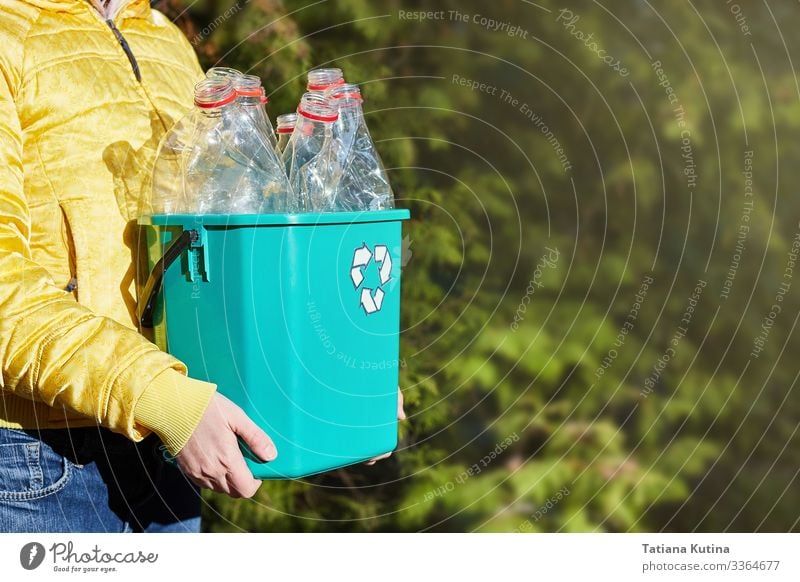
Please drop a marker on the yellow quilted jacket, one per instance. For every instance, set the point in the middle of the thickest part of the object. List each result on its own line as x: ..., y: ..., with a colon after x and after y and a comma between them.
x: 83, y: 104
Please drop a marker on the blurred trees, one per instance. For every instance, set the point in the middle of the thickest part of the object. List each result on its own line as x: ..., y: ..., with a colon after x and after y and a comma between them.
x: 524, y: 274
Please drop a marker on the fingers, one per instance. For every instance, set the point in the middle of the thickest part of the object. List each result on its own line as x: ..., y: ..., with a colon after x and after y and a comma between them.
x: 401, y: 413
x: 212, y: 459
x: 227, y: 473
x: 206, y: 466
x: 240, y: 482
x: 378, y: 458
x: 253, y: 436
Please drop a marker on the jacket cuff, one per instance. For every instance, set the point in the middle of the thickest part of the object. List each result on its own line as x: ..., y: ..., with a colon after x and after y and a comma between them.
x: 172, y: 406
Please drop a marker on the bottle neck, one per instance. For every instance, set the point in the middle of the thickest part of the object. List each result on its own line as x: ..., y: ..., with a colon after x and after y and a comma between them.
x: 253, y: 108
x: 320, y: 80
x: 286, y: 122
x: 283, y: 139
x: 315, y: 116
x: 350, y: 117
x: 312, y: 127
x: 217, y: 112
x: 321, y: 89
x: 249, y: 101
x: 349, y: 107
x: 214, y: 103
x: 347, y: 101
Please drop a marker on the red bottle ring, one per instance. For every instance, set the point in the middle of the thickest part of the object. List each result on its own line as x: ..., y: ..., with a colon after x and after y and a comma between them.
x: 250, y: 92
x: 219, y: 103
x: 323, y: 87
x: 308, y: 115
x: 347, y: 96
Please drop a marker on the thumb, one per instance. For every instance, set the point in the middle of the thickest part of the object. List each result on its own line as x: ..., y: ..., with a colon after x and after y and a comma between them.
x: 253, y: 436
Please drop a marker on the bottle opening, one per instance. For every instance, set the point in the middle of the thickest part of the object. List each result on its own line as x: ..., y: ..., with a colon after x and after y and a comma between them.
x: 248, y: 86
x: 317, y: 108
x: 211, y: 93
x: 340, y: 95
x: 223, y: 73
x: 322, y: 79
x: 286, y: 122
x: 245, y: 85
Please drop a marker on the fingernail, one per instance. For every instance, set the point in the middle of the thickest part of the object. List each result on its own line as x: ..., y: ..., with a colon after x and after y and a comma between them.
x: 271, y: 453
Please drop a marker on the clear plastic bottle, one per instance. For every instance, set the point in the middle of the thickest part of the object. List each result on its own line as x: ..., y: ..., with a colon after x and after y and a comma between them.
x: 216, y: 162
x: 251, y: 95
x: 364, y: 184
x: 311, y: 157
x: 252, y: 98
x: 285, y: 128
x: 320, y: 80
x: 167, y: 191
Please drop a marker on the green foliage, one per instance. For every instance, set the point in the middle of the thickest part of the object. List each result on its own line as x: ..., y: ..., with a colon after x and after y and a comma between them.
x: 489, y: 196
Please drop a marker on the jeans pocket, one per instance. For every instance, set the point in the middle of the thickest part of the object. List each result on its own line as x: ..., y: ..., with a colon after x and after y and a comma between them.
x: 29, y: 468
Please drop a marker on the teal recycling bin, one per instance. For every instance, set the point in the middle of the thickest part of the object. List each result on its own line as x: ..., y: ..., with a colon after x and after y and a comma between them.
x: 295, y: 317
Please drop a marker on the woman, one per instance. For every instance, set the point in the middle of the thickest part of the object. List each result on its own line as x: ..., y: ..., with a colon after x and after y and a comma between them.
x: 86, y: 92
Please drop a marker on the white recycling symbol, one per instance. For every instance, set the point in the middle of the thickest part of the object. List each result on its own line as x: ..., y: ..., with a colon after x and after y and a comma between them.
x: 371, y: 299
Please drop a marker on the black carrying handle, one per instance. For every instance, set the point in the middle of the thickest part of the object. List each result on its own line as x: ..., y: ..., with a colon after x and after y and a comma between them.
x: 153, y: 285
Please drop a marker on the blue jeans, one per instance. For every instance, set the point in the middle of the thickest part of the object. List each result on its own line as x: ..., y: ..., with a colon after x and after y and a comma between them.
x: 91, y: 480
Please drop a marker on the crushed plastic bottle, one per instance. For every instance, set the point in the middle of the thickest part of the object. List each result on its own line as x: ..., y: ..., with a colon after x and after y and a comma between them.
x: 285, y: 128
x: 311, y: 156
x: 363, y: 184
x: 216, y: 160
x: 223, y: 157
x: 250, y: 94
x: 252, y: 98
x: 167, y: 186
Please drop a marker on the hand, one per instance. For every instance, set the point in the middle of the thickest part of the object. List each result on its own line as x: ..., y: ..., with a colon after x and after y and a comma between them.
x: 401, y: 415
x: 212, y: 458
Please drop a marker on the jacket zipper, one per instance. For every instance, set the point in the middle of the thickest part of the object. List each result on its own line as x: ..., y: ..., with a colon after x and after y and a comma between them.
x: 125, y: 47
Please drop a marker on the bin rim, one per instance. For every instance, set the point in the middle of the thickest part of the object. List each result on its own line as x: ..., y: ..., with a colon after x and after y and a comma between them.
x: 275, y: 219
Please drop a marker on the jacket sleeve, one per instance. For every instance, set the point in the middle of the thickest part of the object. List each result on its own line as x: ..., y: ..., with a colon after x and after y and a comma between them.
x: 56, y: 351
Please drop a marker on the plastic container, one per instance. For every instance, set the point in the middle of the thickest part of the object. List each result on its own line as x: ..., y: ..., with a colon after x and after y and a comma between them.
x: 294, y: 316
